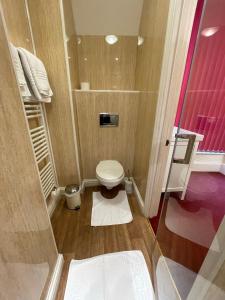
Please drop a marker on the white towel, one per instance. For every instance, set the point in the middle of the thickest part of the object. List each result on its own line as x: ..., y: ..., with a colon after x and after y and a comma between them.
x: 25, y: 92
x: 36, y: 75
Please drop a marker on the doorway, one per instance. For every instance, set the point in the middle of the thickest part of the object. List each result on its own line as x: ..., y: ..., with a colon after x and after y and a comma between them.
x: 190, y: 223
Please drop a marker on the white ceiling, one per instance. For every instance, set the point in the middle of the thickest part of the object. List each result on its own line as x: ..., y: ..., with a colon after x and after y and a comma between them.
x: 102, y: 17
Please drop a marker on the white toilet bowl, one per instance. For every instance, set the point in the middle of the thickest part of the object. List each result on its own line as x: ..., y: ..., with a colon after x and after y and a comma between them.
x: 110, y: 173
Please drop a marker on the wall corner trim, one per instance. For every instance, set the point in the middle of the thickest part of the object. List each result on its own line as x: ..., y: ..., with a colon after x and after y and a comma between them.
x: 91, y: 182
x: 54, y: 283
x: 138, y: 195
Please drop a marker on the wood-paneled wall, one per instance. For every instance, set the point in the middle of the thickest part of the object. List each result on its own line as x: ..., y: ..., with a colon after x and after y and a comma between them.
x: 147, y: 77
x: 27, y: 252
x: 71, y: 43
x: 106, y: 143
x: 48, y: 37
x: 143, y: 138
x: 16, y: 18
x: 49, y: 44
x: 107, y: 66
x: 149, y: 54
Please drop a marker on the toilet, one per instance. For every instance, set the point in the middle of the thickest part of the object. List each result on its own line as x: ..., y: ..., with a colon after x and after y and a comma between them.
x: 110, y: 173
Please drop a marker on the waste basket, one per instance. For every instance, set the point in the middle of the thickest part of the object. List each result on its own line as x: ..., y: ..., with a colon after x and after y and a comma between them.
x: 72, y: 193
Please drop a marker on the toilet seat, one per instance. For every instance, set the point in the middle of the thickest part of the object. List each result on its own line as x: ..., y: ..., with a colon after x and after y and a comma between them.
x: 110, y: 173
x: 109, y: 170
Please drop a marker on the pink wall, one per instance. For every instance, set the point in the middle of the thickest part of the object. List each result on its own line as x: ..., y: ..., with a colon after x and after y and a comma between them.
x: 191, y: 48
x: 204, y: 110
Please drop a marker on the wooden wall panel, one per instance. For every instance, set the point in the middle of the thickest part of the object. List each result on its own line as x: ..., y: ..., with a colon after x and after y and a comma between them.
x: 143, y: 139
x: 71, y: 42
x: 28, y: 252
x: 147, y: 77
x: 16, y: 18
x: 107, y: 66
x: 48, y: 37
x: 150, y: 53
x: 106, y: 143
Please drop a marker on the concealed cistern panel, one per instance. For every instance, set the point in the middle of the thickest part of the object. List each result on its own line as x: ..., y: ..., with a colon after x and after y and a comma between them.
x: 108, y: 120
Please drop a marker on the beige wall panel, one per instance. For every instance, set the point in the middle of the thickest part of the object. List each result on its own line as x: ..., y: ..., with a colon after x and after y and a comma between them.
x: 148, y: 70
x: 73, y: 61
x: 71, y: 42
x: 28, y: 252
x: 16, y: 18
x: 145, y: 123
x: 98, y: 62
x: 106, y: 143
x: 150, y: 53
x: 48, y: 37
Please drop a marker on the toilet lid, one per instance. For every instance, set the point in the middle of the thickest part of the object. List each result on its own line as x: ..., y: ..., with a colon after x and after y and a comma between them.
x: 109, y: 169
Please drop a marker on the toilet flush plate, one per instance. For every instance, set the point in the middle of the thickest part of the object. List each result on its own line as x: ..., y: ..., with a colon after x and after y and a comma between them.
x: 110, y: 211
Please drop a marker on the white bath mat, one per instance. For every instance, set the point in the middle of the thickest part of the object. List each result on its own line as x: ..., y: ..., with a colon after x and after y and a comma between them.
x: 114, y: 276
x: 194, y: 226
x: 110, y: 211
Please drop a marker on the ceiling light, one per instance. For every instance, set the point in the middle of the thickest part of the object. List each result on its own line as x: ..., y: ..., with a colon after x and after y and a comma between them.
x: 111, y: 39
x: 209, y: 31
x: 140, y: 40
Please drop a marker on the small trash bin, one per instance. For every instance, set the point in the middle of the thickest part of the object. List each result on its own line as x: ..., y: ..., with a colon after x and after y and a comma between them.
x: 72, y: 193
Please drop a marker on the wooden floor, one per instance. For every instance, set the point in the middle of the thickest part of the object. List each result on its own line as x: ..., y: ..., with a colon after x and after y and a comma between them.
x: 179, y: 249
x: 76, y: 239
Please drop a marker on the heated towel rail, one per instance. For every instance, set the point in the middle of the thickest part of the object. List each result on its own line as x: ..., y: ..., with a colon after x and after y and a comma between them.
x: 35, y: 114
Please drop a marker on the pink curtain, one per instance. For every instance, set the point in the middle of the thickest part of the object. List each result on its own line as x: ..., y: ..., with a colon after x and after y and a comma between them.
x: 204, y: 111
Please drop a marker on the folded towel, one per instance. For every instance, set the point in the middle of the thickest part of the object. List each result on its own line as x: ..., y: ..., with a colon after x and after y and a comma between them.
x: 36, y: 75
x: 25, y: 92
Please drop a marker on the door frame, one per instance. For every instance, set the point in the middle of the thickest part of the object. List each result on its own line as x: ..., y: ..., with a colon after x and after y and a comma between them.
x: 179, y: 27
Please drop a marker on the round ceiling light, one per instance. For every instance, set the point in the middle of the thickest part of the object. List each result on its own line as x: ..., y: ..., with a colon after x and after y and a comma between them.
x: 209, y: 31
x: 111, y: 39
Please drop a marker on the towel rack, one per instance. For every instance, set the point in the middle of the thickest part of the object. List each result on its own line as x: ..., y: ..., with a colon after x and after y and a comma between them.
x: 36, y: 117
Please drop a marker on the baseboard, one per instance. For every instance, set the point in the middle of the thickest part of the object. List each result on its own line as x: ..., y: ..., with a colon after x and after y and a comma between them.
x: 222, y: 169
x: 54, y: 283
x: 138, y: 195
x: 55, y: 198
x: 89, y: 183
x: 206, y: 167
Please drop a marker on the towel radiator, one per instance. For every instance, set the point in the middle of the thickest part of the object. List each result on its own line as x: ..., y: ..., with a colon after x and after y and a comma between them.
x: 35, y: 114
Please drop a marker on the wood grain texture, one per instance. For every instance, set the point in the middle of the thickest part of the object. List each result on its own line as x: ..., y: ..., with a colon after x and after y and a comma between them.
x: 98, y: 62
x: 76, y: 239
x: 147, y: 77
x: 16, y: 13
x: 106, y: 143
x: 18, y: 28
x: 150, y: 53
x: 71, y: 42
x: 143, y: 138
x: 48, y: 37
x: 28, y: 252
x: 192, y: 256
